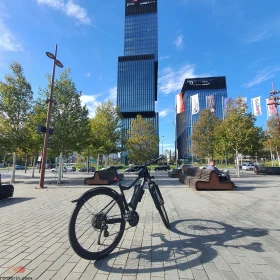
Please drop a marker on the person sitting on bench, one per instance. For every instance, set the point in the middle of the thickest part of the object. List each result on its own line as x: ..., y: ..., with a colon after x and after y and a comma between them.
x: 212, y: 166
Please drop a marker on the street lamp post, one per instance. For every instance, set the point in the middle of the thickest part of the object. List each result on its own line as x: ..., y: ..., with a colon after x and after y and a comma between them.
x: 49, y: 101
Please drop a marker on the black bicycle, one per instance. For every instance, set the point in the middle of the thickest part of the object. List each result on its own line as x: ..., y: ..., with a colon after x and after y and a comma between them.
x: 98, y: 221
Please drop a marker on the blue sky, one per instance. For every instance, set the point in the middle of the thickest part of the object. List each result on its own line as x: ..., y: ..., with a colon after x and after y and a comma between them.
x: 197, y: 38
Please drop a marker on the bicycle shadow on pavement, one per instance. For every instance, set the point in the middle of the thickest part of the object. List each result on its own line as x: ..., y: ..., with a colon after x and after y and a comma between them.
x: 190, y: 244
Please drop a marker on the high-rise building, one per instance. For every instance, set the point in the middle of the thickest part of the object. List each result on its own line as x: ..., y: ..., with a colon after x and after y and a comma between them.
x: 138, y: 68
x: 196, y: 95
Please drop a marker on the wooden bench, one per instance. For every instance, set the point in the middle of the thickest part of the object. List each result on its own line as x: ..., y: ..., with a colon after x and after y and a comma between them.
x: 101, y: 177
x: 267, y: 170
x: 174, y: 173
x: 188, y: 173
x: 6, y: 190
x: 209, y: 180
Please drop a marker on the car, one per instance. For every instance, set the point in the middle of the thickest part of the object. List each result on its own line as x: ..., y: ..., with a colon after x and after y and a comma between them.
x: 84, y: 169
x: 56, y: 169
x: 248, y: 166
x: 20, y: 167
x: 162, y: 167
x: 134, y: 168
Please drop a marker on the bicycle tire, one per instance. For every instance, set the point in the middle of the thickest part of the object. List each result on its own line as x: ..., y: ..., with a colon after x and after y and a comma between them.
x: 86, y: 237
x: 159, y: 203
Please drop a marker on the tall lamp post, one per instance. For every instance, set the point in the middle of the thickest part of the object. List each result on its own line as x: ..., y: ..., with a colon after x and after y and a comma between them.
x: 56, y: 62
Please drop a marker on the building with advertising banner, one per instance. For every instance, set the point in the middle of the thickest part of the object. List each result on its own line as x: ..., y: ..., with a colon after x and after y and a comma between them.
x: 196, y: 95
x: 138, y: 68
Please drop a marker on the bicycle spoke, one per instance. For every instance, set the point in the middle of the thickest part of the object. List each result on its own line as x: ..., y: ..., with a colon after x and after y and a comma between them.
x: 89, y: 225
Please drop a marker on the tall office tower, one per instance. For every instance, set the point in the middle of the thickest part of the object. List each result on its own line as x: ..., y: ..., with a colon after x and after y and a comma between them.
x: 196, y: 95
x: 138, y: 68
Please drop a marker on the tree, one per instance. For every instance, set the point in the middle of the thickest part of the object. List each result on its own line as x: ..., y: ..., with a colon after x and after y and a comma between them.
x: 143, y: 141
x: 272, y: 141
x: 69, y: 118
x: 16, y: 101
x: 238, y: 134
x: 203, y: 135
x: 106, y: 130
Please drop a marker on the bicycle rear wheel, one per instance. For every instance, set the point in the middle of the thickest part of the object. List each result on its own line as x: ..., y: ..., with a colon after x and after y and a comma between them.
x: 97, y: 224
x: 159, y: 203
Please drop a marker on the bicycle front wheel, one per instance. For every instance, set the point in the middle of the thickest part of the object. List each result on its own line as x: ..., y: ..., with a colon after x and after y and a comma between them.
x: 97, y: 224
x: 159, y: 203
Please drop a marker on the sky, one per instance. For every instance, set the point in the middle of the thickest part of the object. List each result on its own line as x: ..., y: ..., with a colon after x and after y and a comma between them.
x: 197, y: 38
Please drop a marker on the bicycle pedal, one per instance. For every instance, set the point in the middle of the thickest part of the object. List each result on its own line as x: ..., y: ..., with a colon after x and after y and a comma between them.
x: 106, y: 233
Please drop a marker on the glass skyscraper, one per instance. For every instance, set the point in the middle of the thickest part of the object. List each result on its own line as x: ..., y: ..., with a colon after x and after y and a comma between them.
x: 138, y: 68
x: 213, y: 88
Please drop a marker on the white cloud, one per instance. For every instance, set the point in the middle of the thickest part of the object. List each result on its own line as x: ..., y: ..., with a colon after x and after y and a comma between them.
x: 113, y: 95
x: 7, y: 40
x: 70, y: 9
x: 163, y: 113
x: 263, y: 31
x: 88, y: 74
x: 77, y: 12
x: 262, y: 76
x: 171, y: 80
x: 179, y: 42
x: 91, y: 102
x: 163, y: 57
x: 56, y: 4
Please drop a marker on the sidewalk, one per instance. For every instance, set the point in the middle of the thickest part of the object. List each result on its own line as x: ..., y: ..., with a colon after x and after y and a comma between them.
x: 214, y: 234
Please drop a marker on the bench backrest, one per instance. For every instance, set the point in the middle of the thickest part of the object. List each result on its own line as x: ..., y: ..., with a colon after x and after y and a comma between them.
x: 207, y: 173
x: 197, y: 172
x: 185, y: 169
x: 268, y: 169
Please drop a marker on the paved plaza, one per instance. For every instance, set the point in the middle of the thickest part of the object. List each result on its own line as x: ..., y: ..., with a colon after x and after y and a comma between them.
x: 214, y: 234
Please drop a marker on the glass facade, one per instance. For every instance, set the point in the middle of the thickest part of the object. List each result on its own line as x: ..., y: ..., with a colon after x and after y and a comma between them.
x: 141, y: 35
x: 204, y: 87
x: 138, y: 68
x: 136, y: 80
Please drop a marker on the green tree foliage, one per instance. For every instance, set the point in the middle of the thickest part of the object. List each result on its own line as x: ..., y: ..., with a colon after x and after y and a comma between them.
x: 143, y: 141
x: 106, y: 130
x: 203, y: 135
x: 272, y: 132
x: 16, y: 101
x: 36, y: 138
x: 237, y: 133
x: 69, y: 118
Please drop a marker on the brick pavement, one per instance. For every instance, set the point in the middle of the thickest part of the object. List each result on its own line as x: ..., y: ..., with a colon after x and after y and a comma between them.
x: 214, y: 234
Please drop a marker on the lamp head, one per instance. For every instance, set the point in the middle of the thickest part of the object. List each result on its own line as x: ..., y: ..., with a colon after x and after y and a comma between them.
x: 58, y: 63
x: 50, y: 55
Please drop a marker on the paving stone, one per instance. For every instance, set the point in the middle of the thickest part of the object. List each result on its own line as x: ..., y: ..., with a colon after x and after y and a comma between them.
x: 240, y: 271
x: 269, y: 272
x: 212, y: 271
x: 274, y: 263
x: 259, y: 276
x: 39, y: 270
x: 229, y: 275
x: 73, y: 276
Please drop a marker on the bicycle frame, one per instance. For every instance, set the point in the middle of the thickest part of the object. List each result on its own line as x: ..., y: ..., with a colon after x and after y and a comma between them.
x: 143, y: 174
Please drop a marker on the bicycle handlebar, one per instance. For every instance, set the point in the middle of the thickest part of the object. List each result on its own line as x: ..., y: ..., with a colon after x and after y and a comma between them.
x: 139, y: 171
x: 154, y: 160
